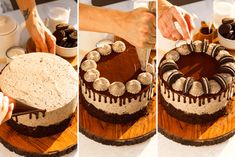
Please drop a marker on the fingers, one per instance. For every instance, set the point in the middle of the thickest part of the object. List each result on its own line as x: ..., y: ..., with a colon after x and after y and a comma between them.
x: 190, y: 22
x: 50, y: 40
x: 9, y: 112
x: 180, y: 19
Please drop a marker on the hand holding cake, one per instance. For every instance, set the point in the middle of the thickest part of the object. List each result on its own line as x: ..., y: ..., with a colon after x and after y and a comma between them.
x: 5, y: 108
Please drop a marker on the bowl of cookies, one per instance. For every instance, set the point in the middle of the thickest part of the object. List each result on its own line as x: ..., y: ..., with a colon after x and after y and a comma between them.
x: 66, y: 40
x: 226, y: 33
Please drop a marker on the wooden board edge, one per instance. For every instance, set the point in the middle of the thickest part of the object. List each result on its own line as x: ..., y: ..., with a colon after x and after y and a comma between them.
x: 198, y: 143
x: 118, y: 142
x: 33, y: 154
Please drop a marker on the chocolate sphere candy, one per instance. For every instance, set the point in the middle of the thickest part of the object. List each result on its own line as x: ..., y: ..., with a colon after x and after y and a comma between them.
x: 225, y: 29
x: 59, y: 35
x: 62, y: 26
x: 227, y: 20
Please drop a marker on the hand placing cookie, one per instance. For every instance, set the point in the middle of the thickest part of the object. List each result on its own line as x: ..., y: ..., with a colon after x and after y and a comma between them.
x: 5, y: 108
x: 168, y: 16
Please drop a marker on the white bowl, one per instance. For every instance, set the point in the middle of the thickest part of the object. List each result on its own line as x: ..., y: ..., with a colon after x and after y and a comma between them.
x: 66, y: 52
x: 227, y: 43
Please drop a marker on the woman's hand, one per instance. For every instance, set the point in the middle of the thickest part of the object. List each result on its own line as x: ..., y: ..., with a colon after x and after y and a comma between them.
x: 138, y: 27
x: 166, y: 23
x: 5, y: 108
x: 42, y: 37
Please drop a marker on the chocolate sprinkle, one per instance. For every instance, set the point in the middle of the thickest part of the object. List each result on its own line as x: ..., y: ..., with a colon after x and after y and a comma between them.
x: 205, y: 85
x: 226, y: 69
x: 221, y: 80
x: 173, y: 77
x: 187, y: 85
x: 226, y: 59
x: 167, y: 67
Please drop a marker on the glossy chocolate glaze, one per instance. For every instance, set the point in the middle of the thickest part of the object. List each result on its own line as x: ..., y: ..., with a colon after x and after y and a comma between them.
x: 118, y: 67
x: 198, y: 65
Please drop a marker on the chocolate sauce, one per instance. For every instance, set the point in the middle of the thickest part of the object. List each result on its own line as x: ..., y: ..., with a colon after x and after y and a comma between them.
x: 21, y: 108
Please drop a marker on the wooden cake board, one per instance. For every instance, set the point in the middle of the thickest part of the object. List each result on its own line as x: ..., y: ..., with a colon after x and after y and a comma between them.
x: 118, y: 134
x: 198, y: 134
x: 56, y: 145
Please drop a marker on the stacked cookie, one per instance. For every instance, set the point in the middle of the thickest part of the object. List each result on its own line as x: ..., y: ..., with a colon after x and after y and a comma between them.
x: 227, y: 29
x: 66, y: 35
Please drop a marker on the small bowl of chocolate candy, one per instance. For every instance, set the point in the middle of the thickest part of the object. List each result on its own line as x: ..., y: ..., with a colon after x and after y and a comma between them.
x: 66, y: 40
x: 226, y: 33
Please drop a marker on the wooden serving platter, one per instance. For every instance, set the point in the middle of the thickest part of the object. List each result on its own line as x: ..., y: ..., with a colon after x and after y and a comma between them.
x: 56, y: 145
x: 118, y: 134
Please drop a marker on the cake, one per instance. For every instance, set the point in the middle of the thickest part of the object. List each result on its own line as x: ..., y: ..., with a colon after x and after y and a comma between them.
x: 196, y: 81
x: 44, y: 81
x: 112, y: 85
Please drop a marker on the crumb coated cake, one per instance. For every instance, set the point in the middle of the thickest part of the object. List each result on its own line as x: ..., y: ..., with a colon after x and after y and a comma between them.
x: 113, y: 87
x: 43, y: 81
x: 196, y: 81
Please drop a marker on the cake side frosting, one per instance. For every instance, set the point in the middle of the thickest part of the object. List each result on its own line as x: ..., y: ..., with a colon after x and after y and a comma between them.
x: 44, y: 81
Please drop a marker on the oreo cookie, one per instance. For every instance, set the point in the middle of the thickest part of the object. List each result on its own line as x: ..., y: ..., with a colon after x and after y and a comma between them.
x: 69, y: 30
x: 205, y: 45
x: 227, y: 20
x: 225, y: 29
x: 226, y: 59
x: 191, y: 46
x: 221, y: 80
x: 59, y: 35
x: 167, y: 67
x: 173, y: 77
x: 226, y: 69
x: 62, y: 26
x: 216, y: 49
x: 187, y: 85
x: 73, y: 36
x: 205, y: 85
x: 62, y: 42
